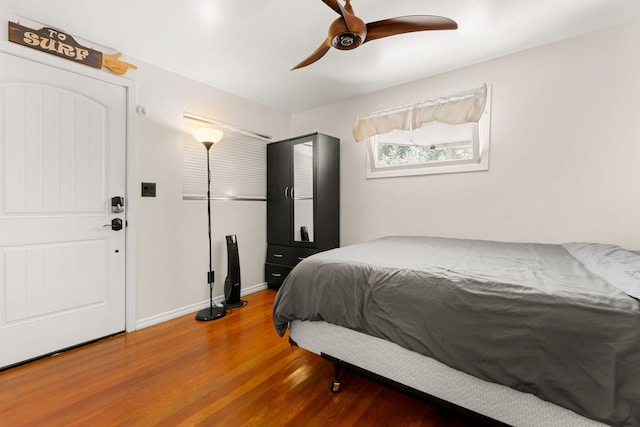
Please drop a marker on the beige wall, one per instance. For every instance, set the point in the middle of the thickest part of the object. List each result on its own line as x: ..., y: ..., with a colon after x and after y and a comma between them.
x: 565, y: 150
x: 564, y: 164
x: 172, y: 233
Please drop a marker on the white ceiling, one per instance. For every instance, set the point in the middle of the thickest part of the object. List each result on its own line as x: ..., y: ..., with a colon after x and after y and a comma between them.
x: 247, y: 47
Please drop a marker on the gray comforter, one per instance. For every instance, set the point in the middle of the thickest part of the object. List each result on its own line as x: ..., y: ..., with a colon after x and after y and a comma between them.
x: 529, y: 316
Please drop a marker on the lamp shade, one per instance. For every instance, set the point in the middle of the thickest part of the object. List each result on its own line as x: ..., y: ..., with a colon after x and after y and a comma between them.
x: 211, y: 135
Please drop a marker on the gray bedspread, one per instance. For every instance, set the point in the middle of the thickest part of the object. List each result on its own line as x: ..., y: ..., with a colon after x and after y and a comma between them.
x: 529, y: 316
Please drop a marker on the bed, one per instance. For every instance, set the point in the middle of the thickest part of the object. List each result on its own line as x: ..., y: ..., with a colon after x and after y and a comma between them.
x: 520, y: 333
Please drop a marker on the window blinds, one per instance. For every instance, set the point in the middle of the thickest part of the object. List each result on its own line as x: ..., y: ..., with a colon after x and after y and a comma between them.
x: 238, y: 163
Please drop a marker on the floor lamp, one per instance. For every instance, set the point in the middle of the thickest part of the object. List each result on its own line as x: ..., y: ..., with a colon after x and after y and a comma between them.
x: 208, y: 137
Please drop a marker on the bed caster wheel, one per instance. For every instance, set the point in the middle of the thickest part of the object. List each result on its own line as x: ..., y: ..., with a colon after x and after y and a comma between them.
x: 335, y: 386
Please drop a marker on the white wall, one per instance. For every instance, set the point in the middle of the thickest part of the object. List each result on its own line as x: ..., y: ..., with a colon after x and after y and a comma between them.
x: 172, y: 245
x: 564, y: 153
x: 172, y: 233
x: 565, y: 150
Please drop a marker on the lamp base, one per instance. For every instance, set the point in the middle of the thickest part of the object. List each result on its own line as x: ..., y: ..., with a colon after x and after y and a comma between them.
x: 211, y: 313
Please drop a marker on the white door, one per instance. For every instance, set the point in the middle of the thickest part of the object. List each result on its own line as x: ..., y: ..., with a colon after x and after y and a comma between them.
x: 62, y: 158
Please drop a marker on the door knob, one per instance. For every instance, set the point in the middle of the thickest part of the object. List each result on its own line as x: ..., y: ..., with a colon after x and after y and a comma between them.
x: 116, y: 224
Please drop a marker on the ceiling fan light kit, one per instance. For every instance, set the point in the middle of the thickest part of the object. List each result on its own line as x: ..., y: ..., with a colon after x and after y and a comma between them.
x: 348, y: 31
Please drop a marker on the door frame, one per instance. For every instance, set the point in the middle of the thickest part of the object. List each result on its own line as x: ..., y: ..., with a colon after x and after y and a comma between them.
x: 131, y: 167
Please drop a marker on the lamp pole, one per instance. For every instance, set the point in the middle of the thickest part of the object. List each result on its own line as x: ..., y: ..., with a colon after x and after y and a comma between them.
x: 212, y: 312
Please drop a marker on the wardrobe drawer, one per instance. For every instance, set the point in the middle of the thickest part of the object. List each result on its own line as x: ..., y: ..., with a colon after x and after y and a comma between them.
x: 302, y: 253
x: 288, y: 255
x: 275, y: 274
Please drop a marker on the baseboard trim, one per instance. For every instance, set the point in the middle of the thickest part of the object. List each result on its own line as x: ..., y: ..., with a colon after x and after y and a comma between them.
x: 182, y: 311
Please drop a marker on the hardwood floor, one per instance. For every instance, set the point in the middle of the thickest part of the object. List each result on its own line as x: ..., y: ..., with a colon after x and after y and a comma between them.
x: 234, y: 371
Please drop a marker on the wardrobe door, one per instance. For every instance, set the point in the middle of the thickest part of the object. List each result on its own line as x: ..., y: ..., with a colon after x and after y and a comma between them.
x: 279, y: 187
x: 327, y: 192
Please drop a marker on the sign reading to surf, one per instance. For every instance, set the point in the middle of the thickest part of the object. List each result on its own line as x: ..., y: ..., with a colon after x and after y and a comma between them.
x: 61, y: 44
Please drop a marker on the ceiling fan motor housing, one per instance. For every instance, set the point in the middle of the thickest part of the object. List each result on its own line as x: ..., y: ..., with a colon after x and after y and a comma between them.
x: 343, y: 38
x: 346, y: 41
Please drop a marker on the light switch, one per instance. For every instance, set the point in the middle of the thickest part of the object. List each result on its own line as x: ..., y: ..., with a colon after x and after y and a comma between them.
x: 148, y: 189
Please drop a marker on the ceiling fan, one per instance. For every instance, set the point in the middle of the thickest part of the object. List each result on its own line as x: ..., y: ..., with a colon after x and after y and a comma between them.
x: 348, y: 31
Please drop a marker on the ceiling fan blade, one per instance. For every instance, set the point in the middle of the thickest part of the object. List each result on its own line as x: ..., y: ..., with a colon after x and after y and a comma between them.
x: 407, y: 24
x: 353, y: 23
x: 333, y: 4
x: 347, y: 7
x: 317, y: 54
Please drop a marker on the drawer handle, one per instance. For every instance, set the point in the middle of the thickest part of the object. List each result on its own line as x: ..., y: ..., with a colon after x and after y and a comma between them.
x: 276, y: 274
x: 278, y: 255
x: 302, y: 258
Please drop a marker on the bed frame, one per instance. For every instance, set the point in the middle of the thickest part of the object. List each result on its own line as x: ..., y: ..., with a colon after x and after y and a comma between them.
x: 428, y: 379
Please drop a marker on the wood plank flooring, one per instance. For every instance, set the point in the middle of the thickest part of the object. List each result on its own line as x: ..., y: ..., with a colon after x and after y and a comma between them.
x: 234, y: 371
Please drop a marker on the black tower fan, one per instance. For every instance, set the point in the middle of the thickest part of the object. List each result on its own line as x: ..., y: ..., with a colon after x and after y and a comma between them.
x: 232, y: 282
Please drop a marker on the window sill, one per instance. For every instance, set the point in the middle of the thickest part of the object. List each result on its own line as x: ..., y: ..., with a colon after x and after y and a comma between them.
x: 483, y: 165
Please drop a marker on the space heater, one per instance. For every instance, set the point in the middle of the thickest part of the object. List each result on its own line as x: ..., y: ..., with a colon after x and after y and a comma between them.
x: 232, y: 282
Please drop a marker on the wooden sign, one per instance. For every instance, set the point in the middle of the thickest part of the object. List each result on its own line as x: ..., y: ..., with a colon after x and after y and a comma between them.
x: 57, y: 43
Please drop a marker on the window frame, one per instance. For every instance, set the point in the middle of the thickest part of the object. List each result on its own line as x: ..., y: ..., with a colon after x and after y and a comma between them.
x: 480, y: 141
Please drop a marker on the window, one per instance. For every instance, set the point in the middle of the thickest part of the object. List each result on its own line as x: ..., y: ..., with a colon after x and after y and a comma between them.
x: 430, y: 137
x: 433, y: 144
x: 238, y: 163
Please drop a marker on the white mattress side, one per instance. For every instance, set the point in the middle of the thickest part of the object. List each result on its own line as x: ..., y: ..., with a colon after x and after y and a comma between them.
x: 432, y: 377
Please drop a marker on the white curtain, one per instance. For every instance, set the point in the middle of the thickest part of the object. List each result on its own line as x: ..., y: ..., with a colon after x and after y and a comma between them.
x: 465, y: 107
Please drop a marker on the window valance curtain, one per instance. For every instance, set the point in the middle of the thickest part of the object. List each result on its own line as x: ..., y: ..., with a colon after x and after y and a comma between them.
x: 457, y: 109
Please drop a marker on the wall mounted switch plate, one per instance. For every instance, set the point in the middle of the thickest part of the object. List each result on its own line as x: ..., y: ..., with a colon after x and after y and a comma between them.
x: 148, y: 189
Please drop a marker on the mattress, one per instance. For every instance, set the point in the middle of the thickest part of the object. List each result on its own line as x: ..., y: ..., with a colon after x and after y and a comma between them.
x: 432, y: 377
x: 556, y: 321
